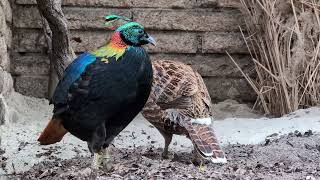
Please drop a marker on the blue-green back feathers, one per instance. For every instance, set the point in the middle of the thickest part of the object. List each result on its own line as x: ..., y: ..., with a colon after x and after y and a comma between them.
x: 71, y: 74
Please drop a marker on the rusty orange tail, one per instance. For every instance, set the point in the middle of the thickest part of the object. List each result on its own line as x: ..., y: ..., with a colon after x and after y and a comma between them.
x: 53, y: 132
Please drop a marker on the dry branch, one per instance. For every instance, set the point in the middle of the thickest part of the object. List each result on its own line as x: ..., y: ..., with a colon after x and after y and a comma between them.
x: 284, y: 41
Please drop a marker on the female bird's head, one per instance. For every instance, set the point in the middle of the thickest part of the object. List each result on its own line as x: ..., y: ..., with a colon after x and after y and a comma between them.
x: 132, y: 33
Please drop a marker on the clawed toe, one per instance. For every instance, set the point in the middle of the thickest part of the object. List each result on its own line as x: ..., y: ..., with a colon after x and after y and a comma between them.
x: 167, y: 155
x: 107, y: 164
x: 102, y: 160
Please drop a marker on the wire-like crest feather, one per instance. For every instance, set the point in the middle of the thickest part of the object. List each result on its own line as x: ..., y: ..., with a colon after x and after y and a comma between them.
x: 112, y: 18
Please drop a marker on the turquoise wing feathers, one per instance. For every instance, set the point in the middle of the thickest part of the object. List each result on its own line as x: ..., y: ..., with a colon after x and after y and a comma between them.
x: 70, y: 75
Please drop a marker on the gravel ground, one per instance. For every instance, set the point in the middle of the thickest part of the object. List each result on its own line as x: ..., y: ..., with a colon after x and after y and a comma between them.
x: 294, y: 156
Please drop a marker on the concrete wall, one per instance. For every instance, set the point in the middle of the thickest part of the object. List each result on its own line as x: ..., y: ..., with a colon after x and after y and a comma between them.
x: 197, y: 32
x: 6, y: 82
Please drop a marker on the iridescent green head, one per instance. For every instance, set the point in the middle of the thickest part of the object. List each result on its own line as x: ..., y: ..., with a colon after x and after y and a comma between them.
x: 132, y: 33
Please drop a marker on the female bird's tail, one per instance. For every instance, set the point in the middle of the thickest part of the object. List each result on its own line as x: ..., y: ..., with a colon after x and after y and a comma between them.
x: 205, y: 140
x: 53, y: 132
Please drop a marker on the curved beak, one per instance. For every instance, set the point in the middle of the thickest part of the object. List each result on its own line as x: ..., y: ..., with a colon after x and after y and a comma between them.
x: 151, y: 40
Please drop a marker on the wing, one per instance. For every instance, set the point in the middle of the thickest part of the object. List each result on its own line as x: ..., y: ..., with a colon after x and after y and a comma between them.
x: 98, y: 94
x: 174, y: 84
x: 70, y: 75
x: 178, y: 86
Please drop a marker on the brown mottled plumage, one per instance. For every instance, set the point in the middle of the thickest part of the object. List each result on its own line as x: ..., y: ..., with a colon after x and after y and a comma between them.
x: 179, y: 103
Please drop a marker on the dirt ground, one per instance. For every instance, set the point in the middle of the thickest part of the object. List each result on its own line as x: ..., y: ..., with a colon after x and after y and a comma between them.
x: 137, y: 149
x: 294, y: 156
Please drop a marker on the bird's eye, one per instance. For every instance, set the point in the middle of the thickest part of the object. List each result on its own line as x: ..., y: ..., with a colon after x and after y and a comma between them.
x: 140, y: 31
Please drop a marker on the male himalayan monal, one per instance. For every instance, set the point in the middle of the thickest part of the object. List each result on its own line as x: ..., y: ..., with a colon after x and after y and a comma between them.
x: 102, y: 91
x: 179, y: 103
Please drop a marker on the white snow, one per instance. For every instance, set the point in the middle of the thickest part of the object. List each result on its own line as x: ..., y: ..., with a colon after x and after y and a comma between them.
x: 252, y: 131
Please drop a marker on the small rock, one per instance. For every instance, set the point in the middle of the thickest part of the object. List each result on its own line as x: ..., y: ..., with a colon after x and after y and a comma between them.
x: 267, y: 142
x: 240, y: 171
x: 2, y: 151
x: 273, y: 135
x: 45, y: 173
x: 271, y: 138
x: 86, y: 172
x: 297, y: 133
x: 310, y: 178
x: 308, y: 133
x: 175, y: 143
x: 135, y: 165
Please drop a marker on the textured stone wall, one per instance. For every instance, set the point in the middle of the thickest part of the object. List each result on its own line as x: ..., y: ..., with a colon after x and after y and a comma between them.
x: 6, y: 83
x: 197, y: 32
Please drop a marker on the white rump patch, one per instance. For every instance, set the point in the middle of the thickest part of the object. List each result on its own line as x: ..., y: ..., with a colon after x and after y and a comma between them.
x: 207, y: 154
x: 219, y: 160
x: 204, y: 121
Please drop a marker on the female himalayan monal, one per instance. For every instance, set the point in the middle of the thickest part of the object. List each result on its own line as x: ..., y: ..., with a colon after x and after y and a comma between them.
x: 102, y: 91
x: 179, y: 103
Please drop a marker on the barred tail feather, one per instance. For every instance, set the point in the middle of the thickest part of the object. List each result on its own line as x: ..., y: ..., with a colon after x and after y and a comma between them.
x: 206, y: 143
x: 53, y: 132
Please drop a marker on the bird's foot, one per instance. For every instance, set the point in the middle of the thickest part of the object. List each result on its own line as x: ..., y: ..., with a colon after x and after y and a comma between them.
x: 107, y: 162
x: 102, y: 160
x: 197, y: 161
x: 202, y: 167
x: 167, y: 155
x: 97, y: 161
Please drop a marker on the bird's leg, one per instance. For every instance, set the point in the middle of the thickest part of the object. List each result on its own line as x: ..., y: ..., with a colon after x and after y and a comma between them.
x: 97, y: 160
x: 167, y: 140
x: 106, y: 159
x: 202, y: 167
x: 198, y: 161
x: 102, y: 159
x: 96, y: 145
